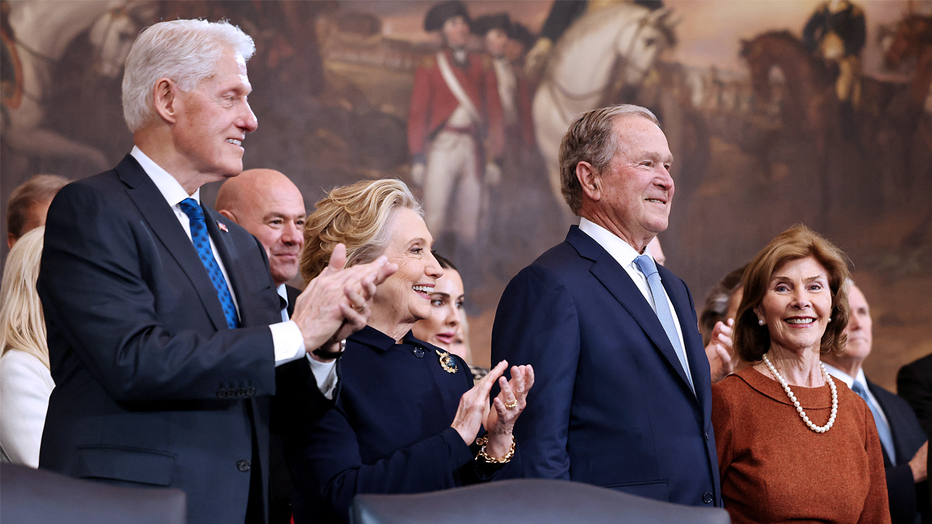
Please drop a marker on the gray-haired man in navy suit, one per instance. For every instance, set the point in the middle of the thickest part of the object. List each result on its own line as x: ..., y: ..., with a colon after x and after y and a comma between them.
x: 165, y: 333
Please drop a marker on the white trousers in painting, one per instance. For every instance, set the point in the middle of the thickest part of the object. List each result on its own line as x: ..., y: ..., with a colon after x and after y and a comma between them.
x: 452, y: 185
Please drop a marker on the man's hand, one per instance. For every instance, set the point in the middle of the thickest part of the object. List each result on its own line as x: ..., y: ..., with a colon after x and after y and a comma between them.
x: 720, y: 350
x: 337, y: 303
x: 919, y: 464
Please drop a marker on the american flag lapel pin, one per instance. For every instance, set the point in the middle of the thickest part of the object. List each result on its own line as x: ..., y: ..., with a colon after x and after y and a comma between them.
x: 222, y: 226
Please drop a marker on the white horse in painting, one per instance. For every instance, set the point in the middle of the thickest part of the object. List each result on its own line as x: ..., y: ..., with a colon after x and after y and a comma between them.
x: 599, y: 54
x: 42, y: 31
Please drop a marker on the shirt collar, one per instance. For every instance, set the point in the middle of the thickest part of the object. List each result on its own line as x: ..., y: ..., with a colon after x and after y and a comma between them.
x: 168, y: 185
x: 375, y: 339
x: 846, y: 378
x: 620, y: 250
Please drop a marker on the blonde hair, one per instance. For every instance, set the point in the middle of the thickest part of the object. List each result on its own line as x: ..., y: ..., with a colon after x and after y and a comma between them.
x: 22, y: 325
x: 356, y: 216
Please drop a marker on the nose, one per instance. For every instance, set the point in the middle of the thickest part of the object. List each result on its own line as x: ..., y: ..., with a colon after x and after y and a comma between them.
x: 665, y: 180
x: 453, y: 314
x: 248, y: 121
x: 292, y: 234
x: 802, y: 300
x: 433, y: 268
x: 854, y: 323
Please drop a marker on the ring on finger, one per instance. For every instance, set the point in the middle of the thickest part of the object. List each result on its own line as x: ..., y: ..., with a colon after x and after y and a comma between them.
x: 512, y: 405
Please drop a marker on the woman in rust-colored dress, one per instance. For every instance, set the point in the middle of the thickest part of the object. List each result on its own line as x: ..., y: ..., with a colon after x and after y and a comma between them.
x: 793, y: 444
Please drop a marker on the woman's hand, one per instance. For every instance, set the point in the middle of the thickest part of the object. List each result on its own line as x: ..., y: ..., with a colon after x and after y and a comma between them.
x: 720, y: 352
x: 508, y: 405
x: 474, y: 405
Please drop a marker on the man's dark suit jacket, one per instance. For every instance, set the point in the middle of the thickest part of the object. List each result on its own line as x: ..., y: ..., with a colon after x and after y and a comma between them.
x: 914, y: 383
x: 152, y: 388
x: 906, y: 497
x: 611, y: 405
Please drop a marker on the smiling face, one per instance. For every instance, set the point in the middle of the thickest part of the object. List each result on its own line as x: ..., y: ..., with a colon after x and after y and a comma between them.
x: 636, y: 189
x: 268, y: 205
x: 212, y: 121
x: 797, y: 306
x: 404, y: 298
x: 446, y: 303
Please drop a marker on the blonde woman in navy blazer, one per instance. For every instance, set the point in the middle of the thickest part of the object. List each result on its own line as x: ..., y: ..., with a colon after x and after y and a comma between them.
x: 408, y: 413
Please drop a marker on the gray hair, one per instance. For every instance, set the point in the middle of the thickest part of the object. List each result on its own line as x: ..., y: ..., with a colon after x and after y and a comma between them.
x: 186, y: 51
x: 591, y: 138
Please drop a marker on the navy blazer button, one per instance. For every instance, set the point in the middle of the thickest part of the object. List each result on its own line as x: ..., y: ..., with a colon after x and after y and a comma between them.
x: 707, y: 436
x: 250, y: 391
x: 244, y: 466
x: 222, y: 393
x: 241, y: 392
x: 419, y: 352
x: 707, y: 497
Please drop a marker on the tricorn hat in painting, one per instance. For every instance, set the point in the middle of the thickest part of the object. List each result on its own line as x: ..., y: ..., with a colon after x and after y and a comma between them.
x: 442, y: 12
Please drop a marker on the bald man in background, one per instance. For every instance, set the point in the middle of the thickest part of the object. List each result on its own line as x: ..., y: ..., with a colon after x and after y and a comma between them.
x: 268, y: 205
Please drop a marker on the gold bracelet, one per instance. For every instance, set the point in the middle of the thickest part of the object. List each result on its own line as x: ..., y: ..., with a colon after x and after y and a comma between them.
x: 482, y: 441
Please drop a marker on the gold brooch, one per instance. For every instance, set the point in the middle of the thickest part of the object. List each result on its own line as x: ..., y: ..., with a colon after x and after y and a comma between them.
x: 447, y: 362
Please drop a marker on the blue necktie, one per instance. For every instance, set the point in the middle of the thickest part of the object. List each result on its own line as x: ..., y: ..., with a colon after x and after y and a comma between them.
x: 883, y: 430
x: 662, y: 308
x: 202, y: 245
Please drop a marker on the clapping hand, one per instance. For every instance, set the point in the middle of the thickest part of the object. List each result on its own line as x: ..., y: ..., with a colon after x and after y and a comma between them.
x: 336, y: 303
x: 720, y: 350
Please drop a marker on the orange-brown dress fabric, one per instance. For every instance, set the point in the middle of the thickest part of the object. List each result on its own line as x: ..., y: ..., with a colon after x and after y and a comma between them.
x: 775, y: 469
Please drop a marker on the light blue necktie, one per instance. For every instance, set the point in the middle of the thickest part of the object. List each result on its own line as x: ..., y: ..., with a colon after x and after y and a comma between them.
x: 647, y: 266
x: 202, y: 245
x: 883, y: 430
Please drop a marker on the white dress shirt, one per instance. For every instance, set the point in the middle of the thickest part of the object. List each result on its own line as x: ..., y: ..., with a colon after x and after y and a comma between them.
x: 287, y: 340
x: 624, y: 254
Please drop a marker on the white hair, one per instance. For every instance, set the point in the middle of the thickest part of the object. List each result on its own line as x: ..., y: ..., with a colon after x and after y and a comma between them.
x: 185, y: 51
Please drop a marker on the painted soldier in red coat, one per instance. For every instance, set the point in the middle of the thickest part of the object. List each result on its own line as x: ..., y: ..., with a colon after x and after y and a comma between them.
x: 455, y: 131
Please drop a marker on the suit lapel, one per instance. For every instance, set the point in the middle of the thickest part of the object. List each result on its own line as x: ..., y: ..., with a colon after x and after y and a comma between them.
x: 616, y: 280
x: 161, y: 220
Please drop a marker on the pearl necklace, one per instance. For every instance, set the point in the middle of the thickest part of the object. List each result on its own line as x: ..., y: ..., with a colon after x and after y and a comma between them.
x: 799, y: 409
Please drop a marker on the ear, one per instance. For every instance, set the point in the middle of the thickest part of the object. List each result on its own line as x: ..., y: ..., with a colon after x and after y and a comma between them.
x: 228, y: 214
x: 589, y: 180
x: 758, y: 313
x: 165, y: 99
x: 10, y: 240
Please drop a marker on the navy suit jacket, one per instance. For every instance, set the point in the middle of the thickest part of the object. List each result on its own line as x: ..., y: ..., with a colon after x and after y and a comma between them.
x: 611, y: 405
x: 906, y: 497
x: 914, y: 383
x: 151, y: 386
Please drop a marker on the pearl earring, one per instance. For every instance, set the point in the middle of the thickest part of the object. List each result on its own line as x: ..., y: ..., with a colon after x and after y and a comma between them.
x: 760, y: 321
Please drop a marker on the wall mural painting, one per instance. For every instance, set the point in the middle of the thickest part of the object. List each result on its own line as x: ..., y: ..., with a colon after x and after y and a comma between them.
x: 777, y: 112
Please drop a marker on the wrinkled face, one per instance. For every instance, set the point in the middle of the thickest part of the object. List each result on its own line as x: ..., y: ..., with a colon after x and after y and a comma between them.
x: 859, y: 332
x: 636, y: 188
x: 495, y: 42
x: 797, y: 305
x: 213, y: 120
x: 446, y: 304
x: 405, y: 296
x: 455, y: 32
x: 275, y: 215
